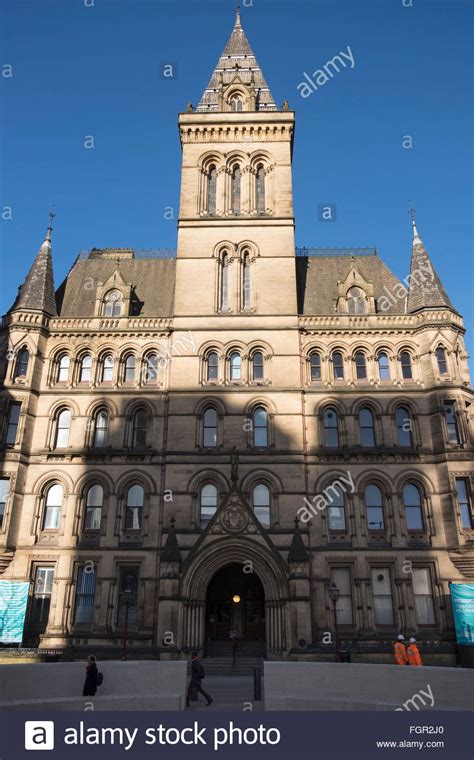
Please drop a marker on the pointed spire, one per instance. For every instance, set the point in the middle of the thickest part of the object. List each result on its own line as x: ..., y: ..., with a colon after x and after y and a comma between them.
x: 416, y: 237
x: 239, y: 60
x: 425, y: 290
x: 298, y: 551
x: 237, y: 16
x: 37, y: 292
x: 171, y: 551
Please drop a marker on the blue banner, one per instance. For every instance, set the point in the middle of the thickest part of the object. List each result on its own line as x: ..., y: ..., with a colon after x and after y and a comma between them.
x: 13, y: 601
x: 462, y: 600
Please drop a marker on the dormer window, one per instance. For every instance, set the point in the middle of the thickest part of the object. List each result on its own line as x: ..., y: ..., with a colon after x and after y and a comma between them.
x: 236, y: 103
x: 356, y: 301
x: 112, y: 304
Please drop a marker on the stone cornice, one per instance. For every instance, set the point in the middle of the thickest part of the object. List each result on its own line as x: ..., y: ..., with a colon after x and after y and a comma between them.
x: 225, y: 132
x: 377, y: 322
x: 113, y: 327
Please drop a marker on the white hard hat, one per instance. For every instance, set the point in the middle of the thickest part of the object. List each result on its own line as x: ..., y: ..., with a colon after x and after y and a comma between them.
x: 412, y: 640
x: 401, y: 637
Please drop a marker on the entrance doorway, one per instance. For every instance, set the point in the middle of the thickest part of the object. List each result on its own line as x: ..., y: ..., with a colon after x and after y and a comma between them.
x: 235, y: 603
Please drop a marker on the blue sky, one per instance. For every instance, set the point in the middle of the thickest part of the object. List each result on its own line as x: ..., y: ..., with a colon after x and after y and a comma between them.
x: 80, y: 70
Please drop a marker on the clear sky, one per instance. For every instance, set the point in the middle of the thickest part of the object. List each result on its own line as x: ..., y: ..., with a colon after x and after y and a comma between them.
x: 85, y: 69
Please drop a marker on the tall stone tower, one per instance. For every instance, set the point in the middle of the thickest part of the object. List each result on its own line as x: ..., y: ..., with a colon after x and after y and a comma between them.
x: 236, y: 225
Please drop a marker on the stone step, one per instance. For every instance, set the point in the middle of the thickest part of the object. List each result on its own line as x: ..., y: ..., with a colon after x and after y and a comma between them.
x: 222, y: 666
x: 244, y: 649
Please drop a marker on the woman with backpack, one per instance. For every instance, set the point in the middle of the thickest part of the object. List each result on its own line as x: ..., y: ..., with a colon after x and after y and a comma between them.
x: 92, y: 678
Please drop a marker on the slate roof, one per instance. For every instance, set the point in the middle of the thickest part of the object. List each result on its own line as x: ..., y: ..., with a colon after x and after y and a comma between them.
x: 425, y: 289
x: 237, y: 51
x: 37, y: 291
x: 317, y: 278
x: 152, y: 282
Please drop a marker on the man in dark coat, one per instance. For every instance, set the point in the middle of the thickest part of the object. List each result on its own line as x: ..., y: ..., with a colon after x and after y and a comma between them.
x: 92, y: 674
x: 197, y: 674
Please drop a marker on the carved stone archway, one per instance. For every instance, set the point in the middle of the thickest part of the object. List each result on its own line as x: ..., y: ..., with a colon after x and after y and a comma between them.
x: 213, y: 557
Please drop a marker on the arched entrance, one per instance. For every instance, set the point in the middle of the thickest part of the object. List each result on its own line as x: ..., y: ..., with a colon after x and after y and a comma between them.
x: 235, y: 602
x: 216, y: 554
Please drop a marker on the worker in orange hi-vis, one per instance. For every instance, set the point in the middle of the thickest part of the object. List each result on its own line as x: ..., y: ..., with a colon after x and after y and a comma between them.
x: 413, y: 653
x: 399, y: 651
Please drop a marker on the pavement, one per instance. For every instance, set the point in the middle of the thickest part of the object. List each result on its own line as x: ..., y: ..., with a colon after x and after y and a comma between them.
x: 228, y: 693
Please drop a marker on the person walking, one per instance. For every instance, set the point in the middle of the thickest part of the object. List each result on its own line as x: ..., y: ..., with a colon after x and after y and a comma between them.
x: 399, y: 651
x: 413, y: 653
x: 92, y: 676
x: 197, y: 674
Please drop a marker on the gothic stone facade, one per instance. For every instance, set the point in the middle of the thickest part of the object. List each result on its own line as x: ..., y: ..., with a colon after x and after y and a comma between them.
x: 166, y: 418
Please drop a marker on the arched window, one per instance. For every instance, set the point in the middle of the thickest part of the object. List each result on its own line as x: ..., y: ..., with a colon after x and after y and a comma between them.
x: 246, y: 282
x: 113, y: 304
x: 361, y: 366
x: 63, y: 368
x: 442, y: 360
x: 257, y: 366
x: 374, y: 507
x: 107, y: 368
x: 101, y: 429
x: 405, y: 363
x: 261, y: 504
x: 94, y: 504
x: 315, y: 366
x: 54, y: 503
x: 139, y: 429
x: 235, y: 366
x: 236, y: 103
x: 211, y: 190
x: 337, y: 511
x: 212, y: 364
x: 129, y: 368
x: 224, y: 299
x: 210, y: 428
x: 338, y: 365
x: 207, y: 503
x: 134, y: 508
x: 260, y: 427
x: 21, y: 369
x: 356, y: 301
x: 384, y: 365
x: 451, y: 422
x: 63, y: 426
x: 367, y: 429
x: 86, y: 369
x: 330, y: 428
x: 260, y: 187
x: 235, y: 190
x: 404, y: 426
x: 412, y: 504
x: 151, y: 368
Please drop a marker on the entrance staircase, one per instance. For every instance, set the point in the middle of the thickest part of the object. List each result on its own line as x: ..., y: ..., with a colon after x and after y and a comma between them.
x: 218, y: 658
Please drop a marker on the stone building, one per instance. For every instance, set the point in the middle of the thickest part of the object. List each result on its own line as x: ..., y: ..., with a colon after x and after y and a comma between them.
x: 205, y: 442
